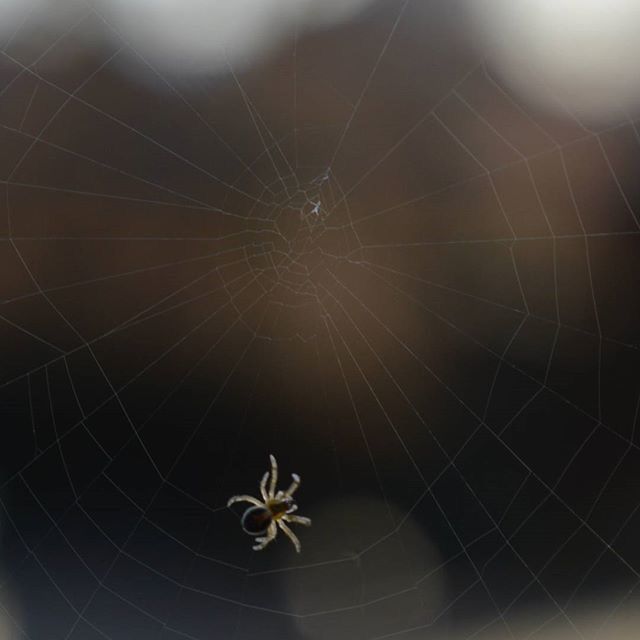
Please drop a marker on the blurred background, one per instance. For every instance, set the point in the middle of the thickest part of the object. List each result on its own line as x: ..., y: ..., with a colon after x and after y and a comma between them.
x: 393, y: 242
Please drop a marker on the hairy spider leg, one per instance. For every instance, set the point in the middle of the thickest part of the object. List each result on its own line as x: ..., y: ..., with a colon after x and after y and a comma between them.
x: 263, y: 542
x: 293, y: 486
x: 274, y: 477
x: 297, y: 519
x: 263, y: 487
x: 292, y: 536
x: 250, y: 499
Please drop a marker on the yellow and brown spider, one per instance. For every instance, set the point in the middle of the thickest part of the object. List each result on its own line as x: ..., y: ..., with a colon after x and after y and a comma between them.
x: 276, y: 509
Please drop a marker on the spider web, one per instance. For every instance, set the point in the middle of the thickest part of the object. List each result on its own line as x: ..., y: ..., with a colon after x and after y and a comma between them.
x: 365, y: 256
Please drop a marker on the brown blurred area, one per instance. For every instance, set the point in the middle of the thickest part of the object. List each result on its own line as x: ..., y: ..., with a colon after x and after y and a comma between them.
x: 177, y: 198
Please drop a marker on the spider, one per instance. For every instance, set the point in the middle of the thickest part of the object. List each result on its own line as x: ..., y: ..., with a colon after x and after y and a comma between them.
x: 275, y: 510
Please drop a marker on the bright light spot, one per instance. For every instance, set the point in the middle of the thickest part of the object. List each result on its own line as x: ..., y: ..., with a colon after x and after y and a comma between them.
x: 186, y: 35
x: 580, y: 54
x: 368, y: 579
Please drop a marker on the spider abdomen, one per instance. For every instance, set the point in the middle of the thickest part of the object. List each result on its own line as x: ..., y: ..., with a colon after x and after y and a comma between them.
x: 256, y: 520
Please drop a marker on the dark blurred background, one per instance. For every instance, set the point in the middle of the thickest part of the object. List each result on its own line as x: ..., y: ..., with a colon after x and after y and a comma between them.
x: 360, y: 247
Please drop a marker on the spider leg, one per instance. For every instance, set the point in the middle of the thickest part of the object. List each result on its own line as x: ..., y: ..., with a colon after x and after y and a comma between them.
x: 292, y: 536
x: 272, y: 532
x: 297, y: 519
x: 293, y: 508
x: 263, y: 487
x: 250, y: 499
x: 274, y: 477
x: 293, y: 486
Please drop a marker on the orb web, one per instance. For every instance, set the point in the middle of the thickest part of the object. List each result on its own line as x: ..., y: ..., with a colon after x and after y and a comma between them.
x: 364, y: 255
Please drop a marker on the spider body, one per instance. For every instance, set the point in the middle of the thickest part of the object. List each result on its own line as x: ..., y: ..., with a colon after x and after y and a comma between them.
x: 265, y: 517
x: 256, y: 519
